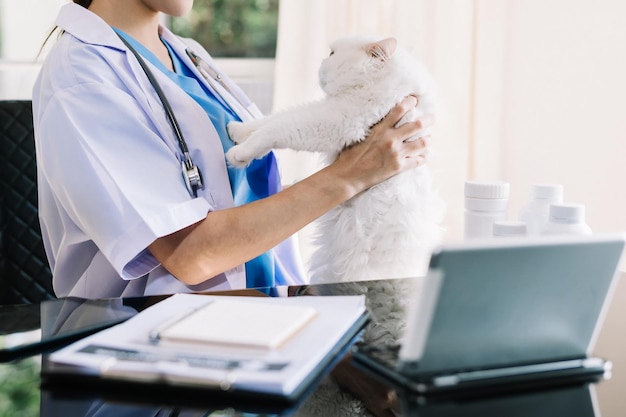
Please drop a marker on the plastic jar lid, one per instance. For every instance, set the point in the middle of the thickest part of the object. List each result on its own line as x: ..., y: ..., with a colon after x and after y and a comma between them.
x: 509, y: 228
x: 552, y: 192
x: 487, y: 189
x: 567, y: 213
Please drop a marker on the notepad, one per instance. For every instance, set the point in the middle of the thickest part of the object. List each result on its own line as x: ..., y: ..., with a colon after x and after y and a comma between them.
x: 258, y: 324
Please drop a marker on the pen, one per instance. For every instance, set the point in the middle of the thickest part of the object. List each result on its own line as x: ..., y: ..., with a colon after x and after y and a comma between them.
x: 155, y: 334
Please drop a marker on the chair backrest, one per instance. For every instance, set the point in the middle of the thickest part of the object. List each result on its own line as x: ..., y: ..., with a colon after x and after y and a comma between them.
x: 25, y: 275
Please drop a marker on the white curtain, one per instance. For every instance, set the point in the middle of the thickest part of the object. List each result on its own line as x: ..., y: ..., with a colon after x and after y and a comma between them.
x: 307, y: 27
x: 531, y: 90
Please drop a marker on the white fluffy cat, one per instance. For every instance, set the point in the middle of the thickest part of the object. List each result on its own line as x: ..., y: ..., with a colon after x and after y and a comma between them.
x: 385, y: 232
x: 389, y: 230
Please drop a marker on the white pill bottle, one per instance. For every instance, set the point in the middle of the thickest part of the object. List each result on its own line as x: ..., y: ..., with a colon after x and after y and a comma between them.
x: 567, y: 219
x: 486, y: 202
x: 537, y: 211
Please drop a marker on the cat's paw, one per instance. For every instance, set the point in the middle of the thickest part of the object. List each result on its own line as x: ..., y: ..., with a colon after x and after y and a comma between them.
x: 239, y: 131
x: 240, y: 156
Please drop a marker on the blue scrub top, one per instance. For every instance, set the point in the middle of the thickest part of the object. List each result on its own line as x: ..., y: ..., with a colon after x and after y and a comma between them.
x: 259, y: 180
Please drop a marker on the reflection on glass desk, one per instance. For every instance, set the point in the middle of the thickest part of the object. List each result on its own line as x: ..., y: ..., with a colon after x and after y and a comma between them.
x: 23, y: 395
x: 574, y: 401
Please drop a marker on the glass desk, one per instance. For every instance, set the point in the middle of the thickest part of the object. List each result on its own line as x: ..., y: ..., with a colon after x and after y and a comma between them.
x: 22, y: 392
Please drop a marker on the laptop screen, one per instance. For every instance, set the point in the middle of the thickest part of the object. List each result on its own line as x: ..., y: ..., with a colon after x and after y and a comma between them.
x: 515, y: 301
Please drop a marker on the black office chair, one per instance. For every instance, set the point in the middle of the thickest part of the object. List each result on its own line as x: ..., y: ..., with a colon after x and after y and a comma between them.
x: 25, y: 276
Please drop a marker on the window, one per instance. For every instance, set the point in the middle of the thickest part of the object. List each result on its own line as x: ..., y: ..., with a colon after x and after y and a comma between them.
x: 232, y: 28
x: 241, y: 35
x: 20, y: 43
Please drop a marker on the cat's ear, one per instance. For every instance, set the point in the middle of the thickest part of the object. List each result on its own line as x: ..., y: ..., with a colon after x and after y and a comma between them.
x: 382, y: 49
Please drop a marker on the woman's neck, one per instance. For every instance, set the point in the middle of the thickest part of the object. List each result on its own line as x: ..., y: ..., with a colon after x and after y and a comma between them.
x: 137, y: 20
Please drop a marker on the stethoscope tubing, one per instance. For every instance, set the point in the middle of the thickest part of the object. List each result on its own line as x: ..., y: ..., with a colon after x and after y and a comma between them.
x: 191, y: 172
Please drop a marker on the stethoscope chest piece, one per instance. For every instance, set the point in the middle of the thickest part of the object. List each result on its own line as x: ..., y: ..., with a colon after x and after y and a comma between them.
x: 192, y: 177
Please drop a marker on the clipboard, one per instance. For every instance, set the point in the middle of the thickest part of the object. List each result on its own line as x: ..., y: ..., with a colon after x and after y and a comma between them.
x: 124, y: 356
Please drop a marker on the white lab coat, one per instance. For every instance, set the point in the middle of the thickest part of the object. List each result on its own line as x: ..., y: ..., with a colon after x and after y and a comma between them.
x: 109, y: 172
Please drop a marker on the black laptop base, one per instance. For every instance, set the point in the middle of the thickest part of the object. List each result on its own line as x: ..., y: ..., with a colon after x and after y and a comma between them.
x: 381, y: 362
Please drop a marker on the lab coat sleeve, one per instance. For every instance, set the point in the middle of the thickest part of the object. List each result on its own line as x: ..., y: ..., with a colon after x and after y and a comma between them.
x: 119, y: 182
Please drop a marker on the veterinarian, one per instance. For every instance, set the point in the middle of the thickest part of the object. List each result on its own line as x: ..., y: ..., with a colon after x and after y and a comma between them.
x: 119, y: 216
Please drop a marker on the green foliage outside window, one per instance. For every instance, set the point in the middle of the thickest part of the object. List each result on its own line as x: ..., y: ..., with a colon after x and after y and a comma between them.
x: 232, y: 28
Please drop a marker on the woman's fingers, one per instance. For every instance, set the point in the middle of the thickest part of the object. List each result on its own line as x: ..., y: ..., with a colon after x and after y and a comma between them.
x: 408, y: 132
x: 417, y: 128
x: 417, y: 148
x: 398, y: 111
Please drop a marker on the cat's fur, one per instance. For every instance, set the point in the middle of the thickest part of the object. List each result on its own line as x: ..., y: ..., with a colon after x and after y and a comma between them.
x: 387, y: 231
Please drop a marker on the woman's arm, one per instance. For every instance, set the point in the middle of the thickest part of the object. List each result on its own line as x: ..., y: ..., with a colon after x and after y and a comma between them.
x: 227, y: 238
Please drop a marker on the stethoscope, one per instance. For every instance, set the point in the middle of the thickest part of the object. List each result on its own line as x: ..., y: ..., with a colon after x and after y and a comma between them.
x: 211, y: 75
x: 191, y: 172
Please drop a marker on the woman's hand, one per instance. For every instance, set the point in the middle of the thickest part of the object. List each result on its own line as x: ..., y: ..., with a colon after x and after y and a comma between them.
x: 378, y: 398
x: 386, y: 151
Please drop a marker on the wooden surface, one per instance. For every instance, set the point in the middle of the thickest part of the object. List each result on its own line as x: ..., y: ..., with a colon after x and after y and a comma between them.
x: 611, y: 345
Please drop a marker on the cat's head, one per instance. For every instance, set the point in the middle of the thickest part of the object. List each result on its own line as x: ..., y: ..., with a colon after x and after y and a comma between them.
x: 356, y: 62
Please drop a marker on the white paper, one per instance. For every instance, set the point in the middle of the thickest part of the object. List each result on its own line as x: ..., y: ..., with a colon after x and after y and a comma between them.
x: 237, y: 323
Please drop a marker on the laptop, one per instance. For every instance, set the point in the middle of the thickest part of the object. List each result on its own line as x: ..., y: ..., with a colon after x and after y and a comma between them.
x: 504, y: 312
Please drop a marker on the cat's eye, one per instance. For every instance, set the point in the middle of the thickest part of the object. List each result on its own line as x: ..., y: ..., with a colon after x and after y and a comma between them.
x: 331, y: 53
